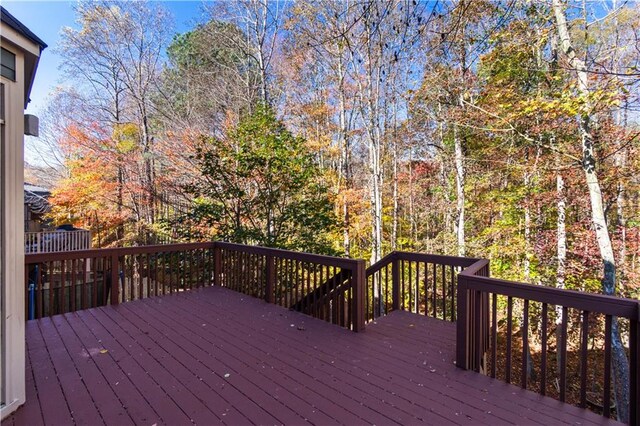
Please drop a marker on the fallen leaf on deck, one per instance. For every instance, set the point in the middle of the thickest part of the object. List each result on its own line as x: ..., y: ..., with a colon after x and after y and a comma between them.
x: 103, y: 351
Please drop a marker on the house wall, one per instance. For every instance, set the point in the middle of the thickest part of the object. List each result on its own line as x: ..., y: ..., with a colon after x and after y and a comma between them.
x: 12, y: 294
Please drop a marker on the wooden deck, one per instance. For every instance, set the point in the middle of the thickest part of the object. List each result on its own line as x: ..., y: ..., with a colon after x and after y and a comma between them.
x: 216, y: 356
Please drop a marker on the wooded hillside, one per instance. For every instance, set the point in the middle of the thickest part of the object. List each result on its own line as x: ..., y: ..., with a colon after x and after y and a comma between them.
x: 499, y: 129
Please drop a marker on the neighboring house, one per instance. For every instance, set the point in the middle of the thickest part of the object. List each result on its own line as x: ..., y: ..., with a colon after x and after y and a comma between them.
x: 40, y: 236
x: 20, y: 53
x: 36, y: 205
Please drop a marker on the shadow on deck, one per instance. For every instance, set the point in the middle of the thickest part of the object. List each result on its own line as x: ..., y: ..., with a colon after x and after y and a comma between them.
x: 216, y: 356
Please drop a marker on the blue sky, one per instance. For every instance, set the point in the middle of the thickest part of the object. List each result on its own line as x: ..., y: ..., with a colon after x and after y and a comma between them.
x: 46, y: 18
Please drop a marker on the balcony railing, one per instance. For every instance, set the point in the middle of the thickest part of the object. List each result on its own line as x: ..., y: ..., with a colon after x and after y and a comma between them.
x: 329, y: 288
x: 556, y: 342
x: 56, y: 241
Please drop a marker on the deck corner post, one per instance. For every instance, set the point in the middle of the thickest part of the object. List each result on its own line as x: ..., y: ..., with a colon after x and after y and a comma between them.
x: 115, y: 279
x: 395, y: 278
x: 217, y: 265
x: 462, y: 324
x: 269, y: 295
x: 359, y: 278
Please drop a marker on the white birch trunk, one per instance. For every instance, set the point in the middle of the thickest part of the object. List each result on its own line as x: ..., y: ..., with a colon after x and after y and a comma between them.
x: 620, y: 362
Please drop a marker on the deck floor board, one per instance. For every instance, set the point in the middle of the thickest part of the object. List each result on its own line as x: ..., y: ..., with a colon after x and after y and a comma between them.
x: 214, y: 356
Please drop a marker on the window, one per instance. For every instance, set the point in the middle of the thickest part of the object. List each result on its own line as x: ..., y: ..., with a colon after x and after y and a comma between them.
x: 8, y: 64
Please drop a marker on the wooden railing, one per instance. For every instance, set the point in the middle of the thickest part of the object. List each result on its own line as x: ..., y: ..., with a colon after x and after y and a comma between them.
x: 420, y: 283
x: 517, y: 332
x: 324, y: 287
x: 70, y: 281
x: 556, y: 342
x: 57, y: 241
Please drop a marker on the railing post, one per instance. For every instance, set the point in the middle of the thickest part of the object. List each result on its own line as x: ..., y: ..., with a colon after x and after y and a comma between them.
x: 395, y: 289
x: 217, y: 265
x: 115, y: 279
x: 359, y: 281
x: 634, y: 373
x: 462, y: 324
x: 269, y: 295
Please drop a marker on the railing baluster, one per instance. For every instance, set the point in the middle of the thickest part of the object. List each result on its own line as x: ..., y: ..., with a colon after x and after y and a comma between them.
x: 509, y: 337
x: 84, y: 284
x: 50, y: 278
x: 103, y: 277
x: 409, y: 285
x: 314, y: 291
x: 140, y: 268
x: 525, y: 344
x: 172, y: 271
x: 543, y: 362
x: 477, y: 352
x: 320, y: 306
x: 72, y: 295
x: 395, y: 286
x: 63, y: 282
x: 453, y: 294
x: 115, y: 282
x: 494, y: 333
x: 583, y: 358
x: 296, y: 280
x: 417, y: 298
x: 435, y: 291
x: 444, y: 293
x: 563, y: 353
x: 368, y: 304
x: 607, y: 367
x: 334, y: 296
x: 386, y: 290
x: 156, y: 273
x: 40, y: 292
x: 325, y: 296
x: 163, y: 262
x: 426, y: 288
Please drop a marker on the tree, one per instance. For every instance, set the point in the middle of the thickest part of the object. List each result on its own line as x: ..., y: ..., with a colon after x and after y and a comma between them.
x: 207, y: 77
x: 259, y: 185
x: 598, y: 215
x: 260, y: 22
x: 115, y: 57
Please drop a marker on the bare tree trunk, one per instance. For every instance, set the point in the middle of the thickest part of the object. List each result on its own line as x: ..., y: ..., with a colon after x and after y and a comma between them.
x: 460, y: 194
x: 148, y: 166
x: 345, y: 159
x: 394, y: 227
x: 620, y: 362
x: 412, y: 218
